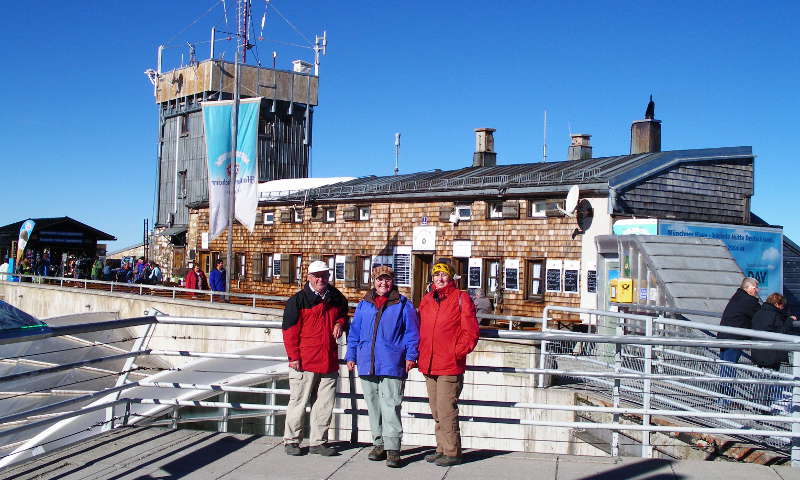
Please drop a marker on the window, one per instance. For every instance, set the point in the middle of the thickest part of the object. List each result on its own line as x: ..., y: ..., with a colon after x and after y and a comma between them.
x: 340, y: 268
x: 330, y: 261
x: 461, y: 270
x: 535, y: 271
x: 181, y: 187
x: 266, y: 262
x: 365, y: 269
x: 464, y: 212
x: 363, y: 213
x: 297, y: 215
x: 402, y: 266
x: 492, y: 270
x: 496, y: 210
x: 183, y: 125
x: 296, y: 269
x: 239, y: 270
x: 330, y: 216
x: 269, y: 217
x: 539, y: 208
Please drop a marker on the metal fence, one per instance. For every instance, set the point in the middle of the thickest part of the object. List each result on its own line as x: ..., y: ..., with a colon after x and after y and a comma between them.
x: 641, y: 373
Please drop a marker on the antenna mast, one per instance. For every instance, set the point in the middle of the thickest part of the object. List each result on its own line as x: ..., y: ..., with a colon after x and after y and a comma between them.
x: 544, y: 145
x: 397, y: 153
x: 243, y: 24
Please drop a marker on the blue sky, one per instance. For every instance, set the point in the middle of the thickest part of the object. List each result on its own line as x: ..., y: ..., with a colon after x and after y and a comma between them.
x: 79, y: 118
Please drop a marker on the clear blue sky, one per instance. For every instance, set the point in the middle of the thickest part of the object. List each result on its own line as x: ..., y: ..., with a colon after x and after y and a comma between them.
x: 79, y: 119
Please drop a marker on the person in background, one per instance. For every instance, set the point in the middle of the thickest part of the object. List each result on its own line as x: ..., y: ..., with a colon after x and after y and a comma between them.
x: 482, y: 305
x: 97, y: 269
x: 155, y: 274
x: 773, y: 316
x: 313, y: 319
x: 738, y: 313
x: 25, y: 268
x: 4, y: 268
x: 448, y: 333
x: 217, y: 277
x: 107, y: 271
x: 382, y: 341
x: 195, y: 279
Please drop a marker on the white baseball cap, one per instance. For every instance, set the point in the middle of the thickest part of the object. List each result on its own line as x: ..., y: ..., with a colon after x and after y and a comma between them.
x: 317, y: 266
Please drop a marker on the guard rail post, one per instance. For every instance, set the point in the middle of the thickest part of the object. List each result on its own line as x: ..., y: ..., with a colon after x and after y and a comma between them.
x: 543, y: 346
x: 647, y: 449
x: 615, y: 391
x: 793, y: 405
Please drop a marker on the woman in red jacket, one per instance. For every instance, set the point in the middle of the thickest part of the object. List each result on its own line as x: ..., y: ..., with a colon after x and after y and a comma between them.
x: 448, y: 332
x: 195, y: 279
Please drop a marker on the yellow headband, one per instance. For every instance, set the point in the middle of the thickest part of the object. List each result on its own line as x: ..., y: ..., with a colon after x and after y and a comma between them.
x: 442, y: 267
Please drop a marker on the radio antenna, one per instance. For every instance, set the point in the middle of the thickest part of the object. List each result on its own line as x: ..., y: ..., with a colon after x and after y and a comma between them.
x: 544, y: 145
x: 397, y: 153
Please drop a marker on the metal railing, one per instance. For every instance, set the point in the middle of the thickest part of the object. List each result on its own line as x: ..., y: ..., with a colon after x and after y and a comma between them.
x: 636, y: 373
x: 687, y: 375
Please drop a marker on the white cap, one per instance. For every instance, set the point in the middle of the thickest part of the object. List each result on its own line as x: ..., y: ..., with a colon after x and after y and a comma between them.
x: 317, y: 266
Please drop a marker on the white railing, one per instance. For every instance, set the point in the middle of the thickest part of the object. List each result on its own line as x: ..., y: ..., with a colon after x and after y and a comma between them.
x: 637, y: 372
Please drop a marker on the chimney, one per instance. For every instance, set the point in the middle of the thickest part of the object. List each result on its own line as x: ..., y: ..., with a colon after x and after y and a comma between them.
x: 579, y: 147
x: 646, y: 134
x: 484, y: 155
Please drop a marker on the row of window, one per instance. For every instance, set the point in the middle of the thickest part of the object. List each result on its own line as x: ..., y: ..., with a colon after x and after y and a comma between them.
x: 353, y: 271
x: 462, y: 212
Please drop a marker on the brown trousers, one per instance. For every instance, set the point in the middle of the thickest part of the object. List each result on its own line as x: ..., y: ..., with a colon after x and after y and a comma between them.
x: 443, y: 393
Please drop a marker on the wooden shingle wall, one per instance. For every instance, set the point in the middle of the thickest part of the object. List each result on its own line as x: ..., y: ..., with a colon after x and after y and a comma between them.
x: 704, y: 191
x: 391, y: 224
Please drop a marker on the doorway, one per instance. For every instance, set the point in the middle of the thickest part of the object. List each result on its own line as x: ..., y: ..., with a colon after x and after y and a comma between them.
x: 422, y: 277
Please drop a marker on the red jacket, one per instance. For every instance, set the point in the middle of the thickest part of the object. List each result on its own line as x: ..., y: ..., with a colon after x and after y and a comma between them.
x: 308, y: 322
x: 447, y: 331
x: 191, y: 281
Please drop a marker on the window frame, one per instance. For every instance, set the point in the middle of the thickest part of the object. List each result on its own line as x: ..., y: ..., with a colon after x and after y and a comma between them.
x: 360, y: 210
x: 271, y: 215
x: 364, y: 272
x: 326, y: 211
x: 297, y: 215
x: 296, y: 269
x: 491, y: 214
x: 533, y: 212
x: 458, y: 206
x: 330, y: 261
x: 266, y: 266
x: 529, y: 278
x: 487, y: 275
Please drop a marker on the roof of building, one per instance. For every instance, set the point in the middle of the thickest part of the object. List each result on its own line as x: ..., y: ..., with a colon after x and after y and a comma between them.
x: 598, y: 174
x: 11, y: 231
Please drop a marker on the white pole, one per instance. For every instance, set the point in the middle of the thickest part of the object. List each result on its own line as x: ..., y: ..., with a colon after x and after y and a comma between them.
x: 544, y: 145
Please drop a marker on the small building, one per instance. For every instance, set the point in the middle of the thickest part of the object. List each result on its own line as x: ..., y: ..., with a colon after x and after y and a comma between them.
x: 503, y: 227
x: 60, y: 237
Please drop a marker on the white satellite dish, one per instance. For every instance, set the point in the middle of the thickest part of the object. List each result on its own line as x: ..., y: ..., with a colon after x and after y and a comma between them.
x: 572, y: 201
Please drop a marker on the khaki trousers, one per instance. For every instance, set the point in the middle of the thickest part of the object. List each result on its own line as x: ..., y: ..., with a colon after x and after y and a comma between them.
x: 443, y: 393
x: 320, y: 390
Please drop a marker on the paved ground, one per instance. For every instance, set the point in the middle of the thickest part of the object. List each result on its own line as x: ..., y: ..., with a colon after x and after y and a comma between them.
x: 153, y: 453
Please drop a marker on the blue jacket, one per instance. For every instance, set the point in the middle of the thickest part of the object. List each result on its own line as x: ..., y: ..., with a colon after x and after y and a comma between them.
x: 380, y: 341
x: 217, y: 280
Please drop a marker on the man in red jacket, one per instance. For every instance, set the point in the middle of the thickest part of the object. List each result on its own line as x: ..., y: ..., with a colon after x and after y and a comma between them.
x: 312, y: 321
x: 448, y: 331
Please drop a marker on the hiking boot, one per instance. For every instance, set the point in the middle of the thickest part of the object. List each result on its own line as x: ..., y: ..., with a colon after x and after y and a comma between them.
x: 377, y: 453
x: 292, y: 449
x: 432, y: 457
x: 323, y: 450
x: 393, y: 458
x: 445, y: 461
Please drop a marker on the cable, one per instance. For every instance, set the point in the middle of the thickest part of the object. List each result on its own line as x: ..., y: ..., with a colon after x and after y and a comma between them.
x: 308, y: 42
x: 215, y: 5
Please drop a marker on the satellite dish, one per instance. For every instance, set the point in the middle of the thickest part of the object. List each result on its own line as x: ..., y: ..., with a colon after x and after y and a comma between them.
x: 572, y: 201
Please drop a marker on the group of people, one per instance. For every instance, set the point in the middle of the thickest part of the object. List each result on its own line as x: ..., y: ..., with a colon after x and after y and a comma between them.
x: 745, y: 310
x: 195, y: 278
x: 387, y: 338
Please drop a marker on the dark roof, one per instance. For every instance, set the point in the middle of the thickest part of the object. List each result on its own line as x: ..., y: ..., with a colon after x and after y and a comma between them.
x: 597, y: 174
x: 12, y: 229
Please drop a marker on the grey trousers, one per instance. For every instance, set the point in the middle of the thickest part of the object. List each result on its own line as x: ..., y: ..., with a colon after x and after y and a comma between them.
x: 320, y: 390
x: 384, y: 396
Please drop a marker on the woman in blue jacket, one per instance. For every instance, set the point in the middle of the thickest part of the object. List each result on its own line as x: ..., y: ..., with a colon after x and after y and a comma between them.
x: 382, y: 341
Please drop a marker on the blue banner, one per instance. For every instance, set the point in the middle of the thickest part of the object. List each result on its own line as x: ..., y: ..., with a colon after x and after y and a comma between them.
x: 24, y: 234
x: 757, y: 251
x: 217, y: 123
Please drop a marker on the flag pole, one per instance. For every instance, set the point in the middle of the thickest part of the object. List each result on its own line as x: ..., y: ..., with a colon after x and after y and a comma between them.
x: 233, y: 167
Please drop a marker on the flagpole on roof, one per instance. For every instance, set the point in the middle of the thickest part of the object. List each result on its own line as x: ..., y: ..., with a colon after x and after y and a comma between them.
x: 240, y: 46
